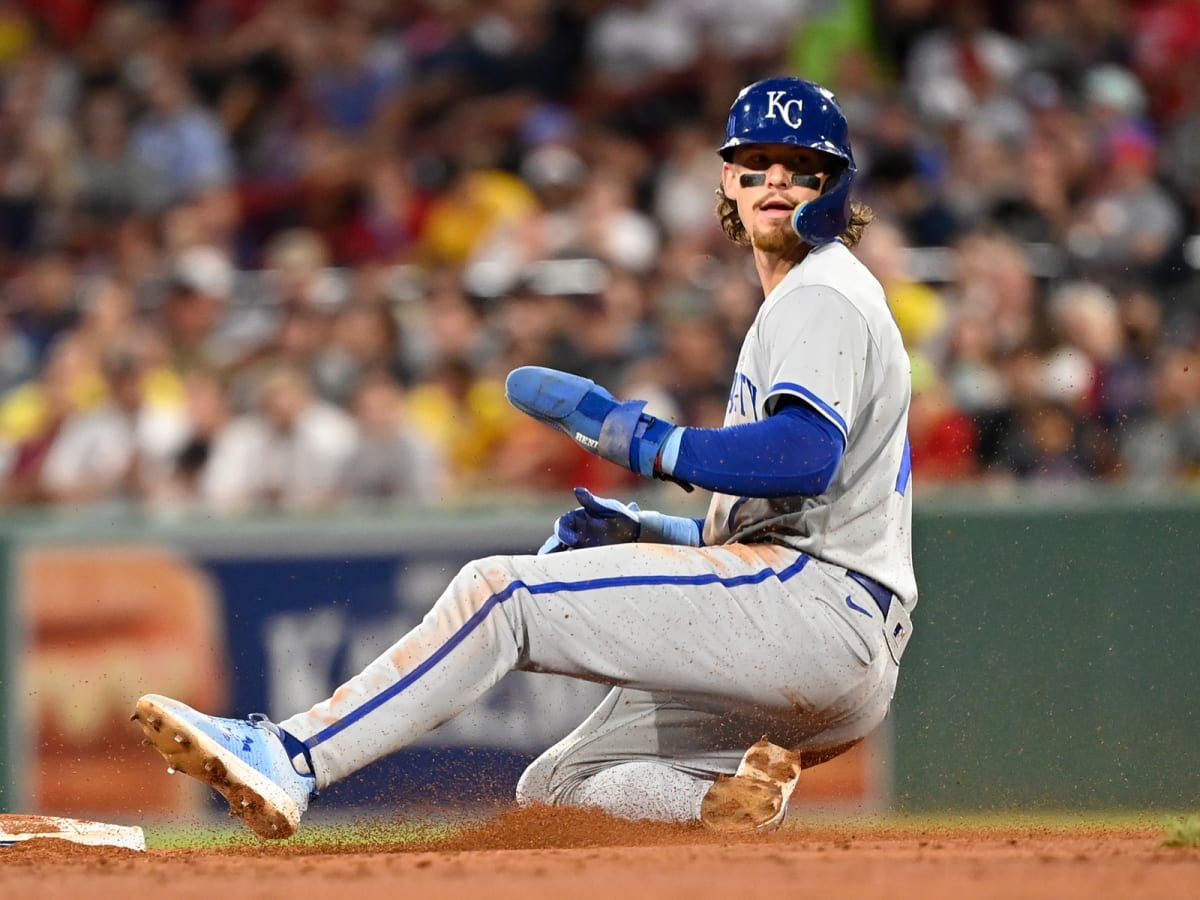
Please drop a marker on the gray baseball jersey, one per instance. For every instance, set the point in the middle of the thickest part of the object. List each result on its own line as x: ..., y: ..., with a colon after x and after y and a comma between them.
x: 826, y: 336
x: 763, y: 631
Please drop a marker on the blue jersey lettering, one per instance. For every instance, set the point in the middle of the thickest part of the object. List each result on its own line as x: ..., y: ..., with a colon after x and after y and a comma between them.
x: 743, y: 386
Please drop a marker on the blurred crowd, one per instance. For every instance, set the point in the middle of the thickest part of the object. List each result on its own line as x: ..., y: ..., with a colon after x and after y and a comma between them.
x: 262, y: 255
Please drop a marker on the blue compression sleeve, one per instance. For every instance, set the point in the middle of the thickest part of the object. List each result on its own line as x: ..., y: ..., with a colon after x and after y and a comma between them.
x: 795, y: 451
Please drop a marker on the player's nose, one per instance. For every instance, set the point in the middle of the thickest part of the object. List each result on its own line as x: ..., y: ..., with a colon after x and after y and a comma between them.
x: 779, y: 176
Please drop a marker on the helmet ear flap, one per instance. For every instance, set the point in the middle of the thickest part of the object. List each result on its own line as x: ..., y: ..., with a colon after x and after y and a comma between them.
x: 823, y: 219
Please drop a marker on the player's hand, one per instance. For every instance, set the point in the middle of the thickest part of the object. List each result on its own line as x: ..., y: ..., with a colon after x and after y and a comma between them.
x: 596, y: 522
x: 588, y: 414
x: 599, y: 521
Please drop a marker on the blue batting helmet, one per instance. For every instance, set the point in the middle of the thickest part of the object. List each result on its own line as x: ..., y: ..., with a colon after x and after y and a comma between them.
x: 803, y: 114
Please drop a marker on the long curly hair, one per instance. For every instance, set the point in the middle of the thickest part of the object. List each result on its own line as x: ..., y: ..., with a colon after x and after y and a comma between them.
x: 861, y: 216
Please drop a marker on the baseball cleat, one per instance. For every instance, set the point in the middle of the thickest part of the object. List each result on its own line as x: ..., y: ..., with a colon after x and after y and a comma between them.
x: 755, y: 798
x: 242, y: 759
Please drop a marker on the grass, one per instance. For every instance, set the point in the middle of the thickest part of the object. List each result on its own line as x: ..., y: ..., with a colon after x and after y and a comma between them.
x: 212, y: 837
x: 1183, y: 832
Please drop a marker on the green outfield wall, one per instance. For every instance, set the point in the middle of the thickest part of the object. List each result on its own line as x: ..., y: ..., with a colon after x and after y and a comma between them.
x: 1056, y: 657
x: 1055, y: 662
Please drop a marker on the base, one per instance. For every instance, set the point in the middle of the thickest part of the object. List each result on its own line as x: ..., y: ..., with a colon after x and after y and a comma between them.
x: 17, y: 828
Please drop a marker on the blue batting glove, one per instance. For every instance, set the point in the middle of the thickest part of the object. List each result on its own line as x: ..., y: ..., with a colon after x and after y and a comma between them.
x: 599, y: 521
x: 588, y: 414
x: 552, y: 545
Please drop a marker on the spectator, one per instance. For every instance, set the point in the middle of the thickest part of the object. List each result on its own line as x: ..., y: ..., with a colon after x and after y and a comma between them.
x: 111, y: 183
x: 1129, y: 223
x: 610, y: 328
x: 942, y: 438
x: 476, y: 203
x: 362, y: 337
x: 1161, y: 447
x: 408, y: 186
x: 641, y: 71
x: 120, y: 449
x: 32, y: 415
x: 444, y: 323
x: 1041, y: 437
x: 919, y: 310
x: 901, y: 192
x: 198, y: 292
x: 17, y: 363
x: 207, y: 413
x: 358, y: 76
x: 1086, y: 318
x: 386, y: 226
x: 42, y: 304
x: 683, y: 189
x: 611, y: 227
x: 464, y: 415
x: 392, y: 464
x: 549, y: 227
x: 288, y: 455
x: 36, y: 104
x: 178, y: 138
x: 965, y: 72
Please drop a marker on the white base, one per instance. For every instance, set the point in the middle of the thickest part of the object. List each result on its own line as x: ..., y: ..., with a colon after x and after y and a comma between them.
x: 16, y: 828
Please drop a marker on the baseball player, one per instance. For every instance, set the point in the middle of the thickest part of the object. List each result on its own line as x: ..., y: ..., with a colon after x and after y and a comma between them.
x: 783, y: 613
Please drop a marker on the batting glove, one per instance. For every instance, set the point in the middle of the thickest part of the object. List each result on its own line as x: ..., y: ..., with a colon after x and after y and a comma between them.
x: 622, y: 433
x: 598, y: 522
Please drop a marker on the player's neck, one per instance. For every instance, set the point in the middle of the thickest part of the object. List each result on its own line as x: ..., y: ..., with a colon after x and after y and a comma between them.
x: 773, y: 267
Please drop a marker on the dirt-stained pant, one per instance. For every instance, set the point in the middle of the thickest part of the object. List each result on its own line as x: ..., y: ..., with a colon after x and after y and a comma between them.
x: 708, y: 650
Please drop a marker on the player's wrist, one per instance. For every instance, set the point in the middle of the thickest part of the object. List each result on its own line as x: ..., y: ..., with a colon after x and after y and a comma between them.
x: 668, y: 452
x: 659, y: 528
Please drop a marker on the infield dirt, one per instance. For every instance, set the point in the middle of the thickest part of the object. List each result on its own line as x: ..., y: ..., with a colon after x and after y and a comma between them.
x: 577, y: 855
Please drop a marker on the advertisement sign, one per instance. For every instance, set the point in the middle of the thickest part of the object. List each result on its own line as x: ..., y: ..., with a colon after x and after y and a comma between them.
x: 271, y: 622
x: 102, y: 624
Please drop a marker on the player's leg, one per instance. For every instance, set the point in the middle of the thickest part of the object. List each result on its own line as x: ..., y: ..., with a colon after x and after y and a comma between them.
x: 642, y: 755
x: 756, y: 628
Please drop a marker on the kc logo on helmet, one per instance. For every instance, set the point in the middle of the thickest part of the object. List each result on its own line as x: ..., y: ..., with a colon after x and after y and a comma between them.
x: 784, y: 108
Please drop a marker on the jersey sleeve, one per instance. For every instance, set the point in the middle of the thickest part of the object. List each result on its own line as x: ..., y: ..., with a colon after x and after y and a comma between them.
x: 817, y: 344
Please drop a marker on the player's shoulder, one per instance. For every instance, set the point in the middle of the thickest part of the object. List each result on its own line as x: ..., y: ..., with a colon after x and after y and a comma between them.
x: 832, y: 277
x: 831, y: 270
x: 833, y: 265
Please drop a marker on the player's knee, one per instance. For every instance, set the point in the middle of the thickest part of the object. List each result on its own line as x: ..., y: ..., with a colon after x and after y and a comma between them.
x: 537, y: 784
x: 484, y: 579
x: 495, y: 572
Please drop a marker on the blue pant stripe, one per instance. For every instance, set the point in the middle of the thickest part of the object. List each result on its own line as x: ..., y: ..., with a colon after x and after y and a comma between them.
x: 549, y: 587
x: 905, y: 473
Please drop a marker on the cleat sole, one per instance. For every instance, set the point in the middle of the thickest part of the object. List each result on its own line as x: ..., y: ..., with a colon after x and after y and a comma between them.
x: 756, y: 797
x: 259, y: 802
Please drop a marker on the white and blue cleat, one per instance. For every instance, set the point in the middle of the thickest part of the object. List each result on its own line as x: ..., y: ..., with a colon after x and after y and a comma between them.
x: 242, y: 759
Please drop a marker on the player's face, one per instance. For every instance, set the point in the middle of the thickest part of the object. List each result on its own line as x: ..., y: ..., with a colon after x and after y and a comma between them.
x: 760, y: 180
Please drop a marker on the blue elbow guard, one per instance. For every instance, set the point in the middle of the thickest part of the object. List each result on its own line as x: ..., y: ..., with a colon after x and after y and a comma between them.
x: 588, y: 414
